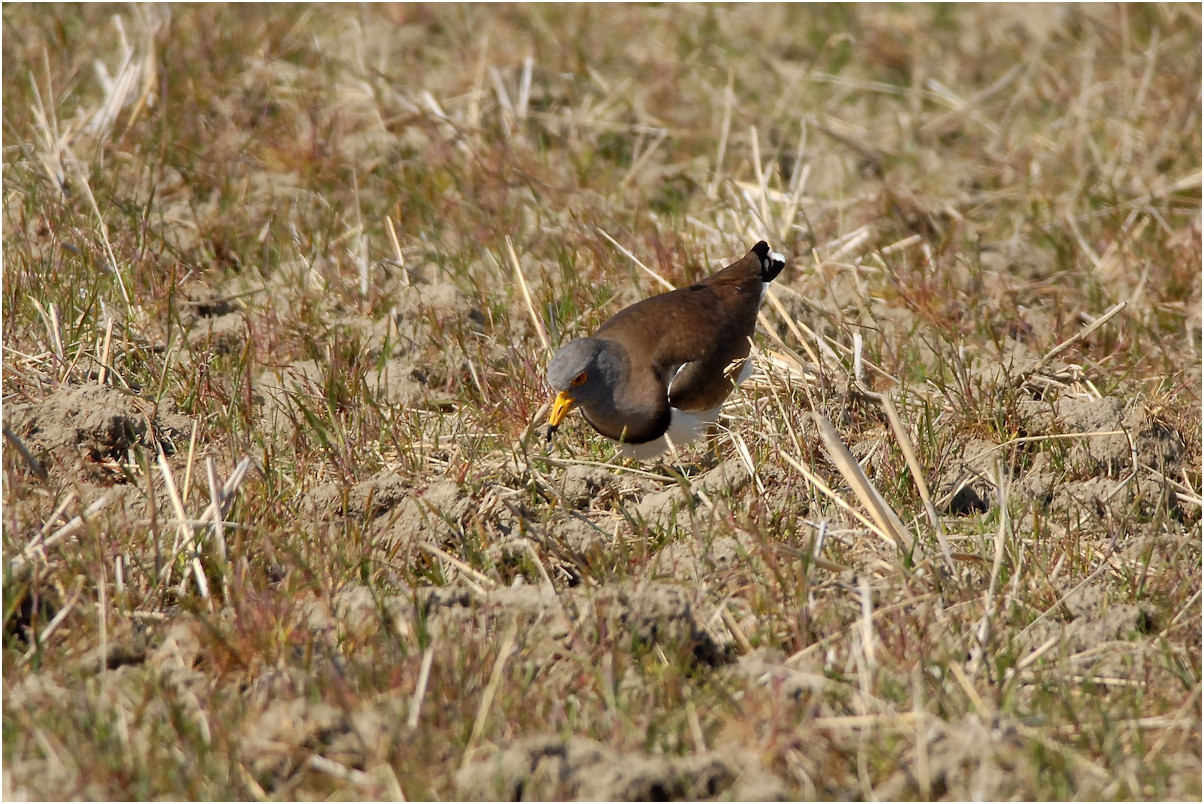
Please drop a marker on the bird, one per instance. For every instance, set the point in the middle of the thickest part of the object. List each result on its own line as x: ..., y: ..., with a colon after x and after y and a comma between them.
x: 655, y: 374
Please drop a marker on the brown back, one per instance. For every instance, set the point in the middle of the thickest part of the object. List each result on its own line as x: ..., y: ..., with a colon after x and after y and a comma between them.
x: 703, y: 327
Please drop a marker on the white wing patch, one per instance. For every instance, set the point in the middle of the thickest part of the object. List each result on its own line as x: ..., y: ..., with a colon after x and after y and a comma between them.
x: 685, y: 426
x: 746, y: 370
x: 676, y: 371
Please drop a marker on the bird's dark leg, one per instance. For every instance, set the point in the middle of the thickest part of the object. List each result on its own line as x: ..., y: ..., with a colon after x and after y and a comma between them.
x: 712, y: 438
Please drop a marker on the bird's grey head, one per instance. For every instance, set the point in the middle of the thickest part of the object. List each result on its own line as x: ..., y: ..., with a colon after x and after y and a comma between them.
x: 588, y: 369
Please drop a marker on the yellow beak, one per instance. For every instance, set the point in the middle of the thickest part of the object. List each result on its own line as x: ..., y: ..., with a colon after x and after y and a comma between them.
x: 560, y: 408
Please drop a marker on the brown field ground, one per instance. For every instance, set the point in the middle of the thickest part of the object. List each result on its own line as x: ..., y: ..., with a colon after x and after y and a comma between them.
x: 279, y: 287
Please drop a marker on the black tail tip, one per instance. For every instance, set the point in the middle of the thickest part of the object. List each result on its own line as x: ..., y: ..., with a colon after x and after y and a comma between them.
x: 772, y: 262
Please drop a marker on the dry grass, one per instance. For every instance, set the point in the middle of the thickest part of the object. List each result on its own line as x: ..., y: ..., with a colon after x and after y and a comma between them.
x: 279, y: 288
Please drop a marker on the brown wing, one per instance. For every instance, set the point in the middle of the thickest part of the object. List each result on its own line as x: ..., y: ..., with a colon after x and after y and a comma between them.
x: 701, y: 329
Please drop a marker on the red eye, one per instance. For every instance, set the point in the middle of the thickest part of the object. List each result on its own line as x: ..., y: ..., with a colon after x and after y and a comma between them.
x: 579, y: 379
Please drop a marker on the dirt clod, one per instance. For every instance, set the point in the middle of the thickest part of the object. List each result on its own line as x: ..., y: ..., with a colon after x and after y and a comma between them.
x: 92, y: 424
x: 554, y: 768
